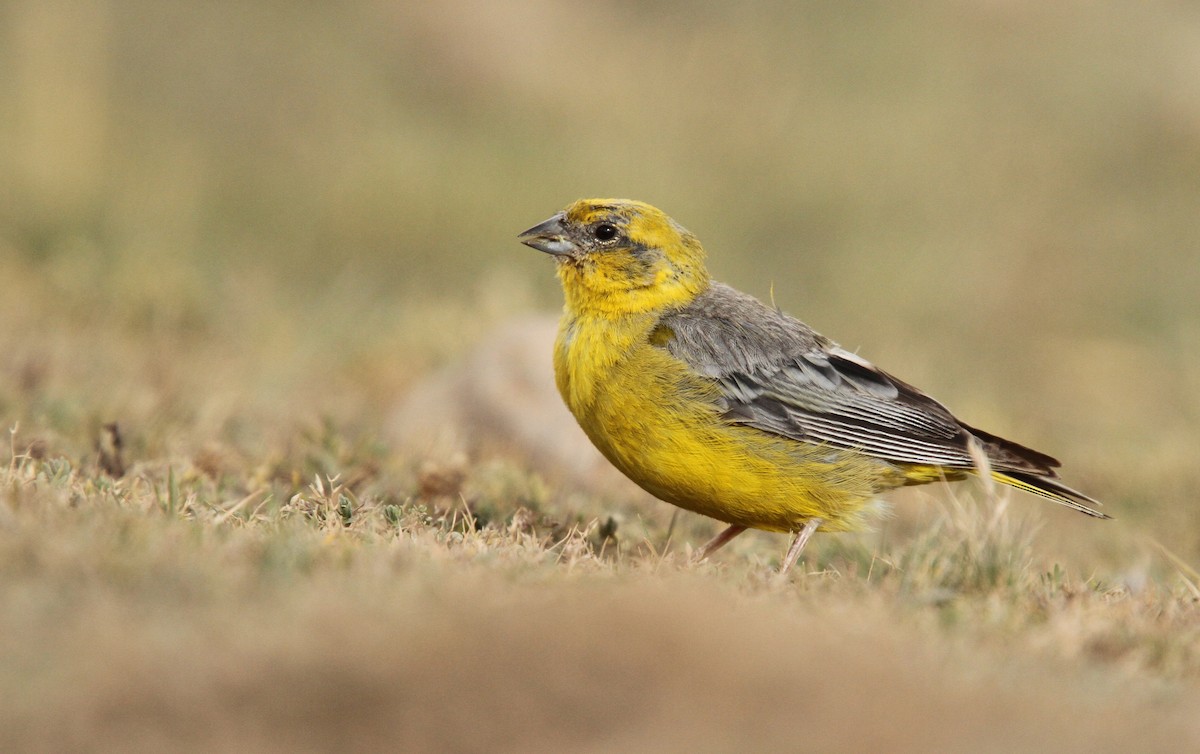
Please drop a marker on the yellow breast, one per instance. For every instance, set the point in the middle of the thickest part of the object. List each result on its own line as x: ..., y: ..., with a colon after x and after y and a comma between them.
x: 660, y: 424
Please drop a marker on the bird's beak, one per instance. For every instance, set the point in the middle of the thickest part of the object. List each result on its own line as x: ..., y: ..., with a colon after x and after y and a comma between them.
x: 550, y: 237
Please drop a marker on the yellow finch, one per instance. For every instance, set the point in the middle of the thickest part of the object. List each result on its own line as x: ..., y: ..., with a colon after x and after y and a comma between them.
x: 714, y: 402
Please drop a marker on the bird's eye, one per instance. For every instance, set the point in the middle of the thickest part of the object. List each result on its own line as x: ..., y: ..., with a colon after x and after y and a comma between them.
x: 605, y: 232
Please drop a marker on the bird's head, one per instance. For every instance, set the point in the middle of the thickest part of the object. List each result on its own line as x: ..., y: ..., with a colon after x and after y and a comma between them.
x: 621, y: 256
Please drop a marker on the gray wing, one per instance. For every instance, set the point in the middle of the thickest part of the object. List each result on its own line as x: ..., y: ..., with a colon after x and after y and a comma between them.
x: 776, y: 374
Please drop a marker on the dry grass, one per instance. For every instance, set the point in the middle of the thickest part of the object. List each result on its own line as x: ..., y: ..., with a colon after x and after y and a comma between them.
x: 153, y: 611
x: 246, y: 235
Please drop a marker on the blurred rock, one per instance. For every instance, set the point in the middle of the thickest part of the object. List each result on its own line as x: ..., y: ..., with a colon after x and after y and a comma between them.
x: 500, y: 400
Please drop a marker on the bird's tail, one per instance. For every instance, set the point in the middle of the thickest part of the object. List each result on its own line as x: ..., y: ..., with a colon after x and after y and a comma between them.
x: 1051, y: 489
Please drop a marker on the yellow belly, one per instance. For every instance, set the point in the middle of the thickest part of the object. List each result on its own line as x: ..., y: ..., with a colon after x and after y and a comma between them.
x: 659, y: 424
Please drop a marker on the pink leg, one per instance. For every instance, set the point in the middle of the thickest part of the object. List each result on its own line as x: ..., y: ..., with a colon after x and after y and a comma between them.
x: 798, y: 544
x: 719, y: 541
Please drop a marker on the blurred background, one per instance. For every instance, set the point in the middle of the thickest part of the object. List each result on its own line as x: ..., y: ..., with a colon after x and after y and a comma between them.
x: 217, y: 214
x: 257, y: 235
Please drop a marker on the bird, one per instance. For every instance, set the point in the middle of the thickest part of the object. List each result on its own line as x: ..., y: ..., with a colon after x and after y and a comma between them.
x: 714, y: 402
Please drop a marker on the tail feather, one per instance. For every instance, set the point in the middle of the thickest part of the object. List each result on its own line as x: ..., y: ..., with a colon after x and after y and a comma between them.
x: 1051, y: 489
x: 1008, y: 453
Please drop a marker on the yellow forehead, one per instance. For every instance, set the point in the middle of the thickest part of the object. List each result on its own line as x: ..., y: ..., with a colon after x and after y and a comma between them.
x: 587, y: 211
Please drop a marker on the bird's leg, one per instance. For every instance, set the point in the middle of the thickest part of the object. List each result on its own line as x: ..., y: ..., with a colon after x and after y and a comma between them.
x: 719, y: 541
x: 798, y: 544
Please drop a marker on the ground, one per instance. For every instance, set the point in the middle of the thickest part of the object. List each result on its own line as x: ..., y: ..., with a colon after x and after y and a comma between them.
x: 244, y: 573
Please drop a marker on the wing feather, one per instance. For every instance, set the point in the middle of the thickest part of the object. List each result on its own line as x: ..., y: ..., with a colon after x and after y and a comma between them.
x: 778, y: 375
